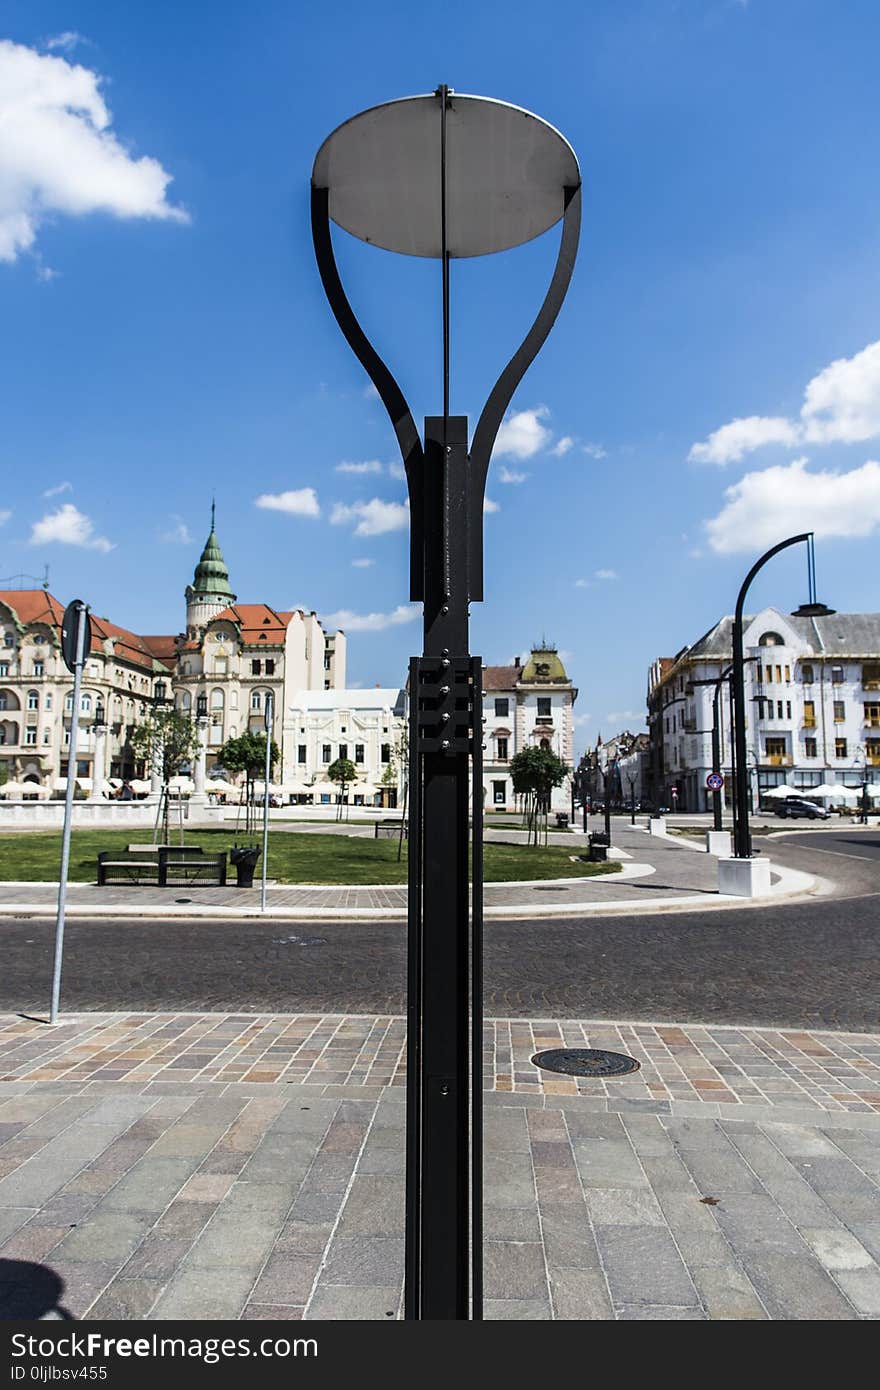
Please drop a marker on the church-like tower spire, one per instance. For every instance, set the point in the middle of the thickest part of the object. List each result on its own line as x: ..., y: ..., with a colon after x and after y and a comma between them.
x: 210, y: 591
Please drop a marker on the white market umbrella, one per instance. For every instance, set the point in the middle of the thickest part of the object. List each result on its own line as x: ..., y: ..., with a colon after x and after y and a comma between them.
x: 181, y: 784
x: 20, y: 789
x: 780, y: 791
x: 832, y: 790
x: 139, y: 785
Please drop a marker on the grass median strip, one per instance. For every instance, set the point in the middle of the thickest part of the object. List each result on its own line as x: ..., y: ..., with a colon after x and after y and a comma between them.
x: 316, y: 859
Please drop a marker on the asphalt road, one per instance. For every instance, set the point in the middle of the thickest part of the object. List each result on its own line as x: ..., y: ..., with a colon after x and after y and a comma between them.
x: 808, y: 964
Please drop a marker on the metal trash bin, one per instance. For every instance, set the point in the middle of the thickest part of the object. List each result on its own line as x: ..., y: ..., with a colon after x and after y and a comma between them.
x: 598, y: 853
x: 562, y: 819
x: 244, y: 857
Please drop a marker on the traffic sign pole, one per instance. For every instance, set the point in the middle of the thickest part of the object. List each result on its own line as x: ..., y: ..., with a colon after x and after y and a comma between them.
x: 74, y: 626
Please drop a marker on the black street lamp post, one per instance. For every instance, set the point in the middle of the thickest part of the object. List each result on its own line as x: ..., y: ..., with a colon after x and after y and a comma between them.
x: 742, y: 835
x: 718, y: 793
x: 445, y: 176
x: 861, y: 759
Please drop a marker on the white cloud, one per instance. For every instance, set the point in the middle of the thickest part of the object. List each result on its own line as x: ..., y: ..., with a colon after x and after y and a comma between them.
x: 55, y: 491
x: 561, y: 448
x: 363, y: 563
x: 298, y: 502
x: 489, y: 506
x: 619, y: 716
x: 841, y: 406
x: 767, y: 506
x: 178, y: 534
x: 4, y: 516
x: 607, y: 574
x: 68, y: 526
x: 58, y: 153
x: 66, y: 41
x: 371, y: 466
x: 580, y: 719
x: 728, y: 444
x: 522, y: 435
x: 372, y: 622
x: 374, y: 518
x: 509, y: 475
x: 397, y: 470
x: 595, y: 451
x: 583, y: 583
x: 370, y: 393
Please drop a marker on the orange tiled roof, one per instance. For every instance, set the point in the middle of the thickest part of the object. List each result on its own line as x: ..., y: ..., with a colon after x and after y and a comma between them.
x: 501, y: 677
x: 37, y: 606
x: 33, y: 606
x: 256, y: 621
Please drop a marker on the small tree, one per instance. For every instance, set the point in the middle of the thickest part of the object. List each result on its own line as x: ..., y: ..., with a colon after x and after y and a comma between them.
x: 247, y: 754
x: 343, y: 772
x: 535, y: 772
x: 168, y: 740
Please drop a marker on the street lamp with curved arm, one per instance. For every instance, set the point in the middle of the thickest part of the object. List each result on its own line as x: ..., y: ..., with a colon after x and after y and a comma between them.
x: 742, y: 835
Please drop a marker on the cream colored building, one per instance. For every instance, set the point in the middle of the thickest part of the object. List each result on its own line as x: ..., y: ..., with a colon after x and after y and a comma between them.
x: 365, y: 726
x: 525, y: 705
x: 230, y: 655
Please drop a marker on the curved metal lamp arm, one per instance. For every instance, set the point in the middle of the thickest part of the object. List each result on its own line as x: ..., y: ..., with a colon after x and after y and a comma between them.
x: 390, y: 394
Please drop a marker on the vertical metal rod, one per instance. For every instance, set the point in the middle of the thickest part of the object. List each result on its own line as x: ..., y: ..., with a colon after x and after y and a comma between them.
x: 443, y: 93
x: 477, y: 994
x: 413, y: 1253
x: 82, y: 624
x: 268, y: 716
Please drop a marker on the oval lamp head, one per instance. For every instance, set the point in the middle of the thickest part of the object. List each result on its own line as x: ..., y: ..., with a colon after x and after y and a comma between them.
x: 813, y: 610
x: 507, y: 172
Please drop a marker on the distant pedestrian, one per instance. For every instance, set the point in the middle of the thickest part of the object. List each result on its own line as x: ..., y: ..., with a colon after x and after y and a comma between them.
x: 125, y: 792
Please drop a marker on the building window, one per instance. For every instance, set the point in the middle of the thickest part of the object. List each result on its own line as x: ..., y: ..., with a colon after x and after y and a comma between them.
x: 216, y: 699
x: 872, y: 748
x: 872, y: 716
x: 759, y: 674
x: 39, y: 668
x: 502, y: 750
x: 256, y: 700
x: 778, y: 709
x: 770, y: 639
x: 839, y: 711
x: 48, y: 699
x: 870, y: 676
x: 837, y: 675
x: 807, y: 674
x: 33, y: 699
x: 787, y: 674
x: 256, y: 668
x: 502, y: 708
x: 768, y: 674
x: 499, y: 795
x: 46, y: 736
x: 68, y: 704
x: 326, y: 685
x: 326, y: 661
x: 325, y: 752
x: 810, y: 748
x: 775, y: 749
x: 788, y: 709
x: 221, y: 666
x: 778, y: 675
x: 809, y: 714
x: 544, y: 706
x: 270, y: 666
x: 386, y: 753
x: 4, y: 668
x: 359, y: 752
x: 30, y: 736
x: 343, y: 750
x: 301, y: 753
x: 840, y: 748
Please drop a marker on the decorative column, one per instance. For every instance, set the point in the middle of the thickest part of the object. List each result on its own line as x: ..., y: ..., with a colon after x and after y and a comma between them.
x: 200, y: 796
x: 99, y: 763
x: 155, y: 776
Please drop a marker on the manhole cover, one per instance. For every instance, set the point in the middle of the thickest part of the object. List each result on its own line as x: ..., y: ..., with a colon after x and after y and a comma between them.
x: 585, y: 1061
x: 183, y: 900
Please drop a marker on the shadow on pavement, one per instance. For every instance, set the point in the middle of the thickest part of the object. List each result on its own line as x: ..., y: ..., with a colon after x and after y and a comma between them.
x: 30, y: 1291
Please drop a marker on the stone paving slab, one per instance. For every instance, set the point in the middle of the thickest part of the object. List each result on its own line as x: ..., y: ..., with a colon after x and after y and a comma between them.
x: 216, y: 1197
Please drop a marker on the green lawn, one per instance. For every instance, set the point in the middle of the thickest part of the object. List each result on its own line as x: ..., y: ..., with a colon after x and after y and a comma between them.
x: 292, y: 858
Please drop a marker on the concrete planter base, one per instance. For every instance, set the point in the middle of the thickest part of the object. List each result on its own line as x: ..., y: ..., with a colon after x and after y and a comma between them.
x: 744, y: 878
x: 718, y: 842
x: 657, y: 825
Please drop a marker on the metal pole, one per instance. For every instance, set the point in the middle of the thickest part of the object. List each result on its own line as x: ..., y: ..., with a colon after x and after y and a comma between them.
x: 742, y: 835
x: 82, y: 624
x: 268, y: 721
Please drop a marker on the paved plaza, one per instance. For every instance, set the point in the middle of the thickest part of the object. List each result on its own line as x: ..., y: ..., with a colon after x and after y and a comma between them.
x: 239, y: 1166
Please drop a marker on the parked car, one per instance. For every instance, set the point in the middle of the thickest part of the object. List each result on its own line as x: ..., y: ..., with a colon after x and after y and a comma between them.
x: 796, y: 806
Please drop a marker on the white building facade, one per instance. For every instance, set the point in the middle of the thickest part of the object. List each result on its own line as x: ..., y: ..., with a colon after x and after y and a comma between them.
x: 813, y: 701
x: 525, y: 705
x: 365, y: 726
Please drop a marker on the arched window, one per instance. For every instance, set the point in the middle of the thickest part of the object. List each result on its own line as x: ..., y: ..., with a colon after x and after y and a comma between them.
x: 86, y: 704
x: 257, y: 700
x: 68, y: 703
x: 48, y: 699
x: 33, y: 699
x: 185, y: 700
x: 216, y: 699
x: 770, y: 639
x: 807, y: 674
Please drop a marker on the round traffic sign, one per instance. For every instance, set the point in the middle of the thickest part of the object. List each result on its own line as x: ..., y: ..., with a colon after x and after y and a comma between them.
x: 715, y: 781
x: 70, y: 633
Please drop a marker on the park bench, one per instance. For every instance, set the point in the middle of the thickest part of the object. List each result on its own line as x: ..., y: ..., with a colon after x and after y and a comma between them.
x: 388, y: 828
x: 162, y: 866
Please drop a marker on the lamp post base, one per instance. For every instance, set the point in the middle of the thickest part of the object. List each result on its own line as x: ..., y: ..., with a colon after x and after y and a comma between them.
x: 718, y: 843
x: 744, y: 878
x: 657, y: 825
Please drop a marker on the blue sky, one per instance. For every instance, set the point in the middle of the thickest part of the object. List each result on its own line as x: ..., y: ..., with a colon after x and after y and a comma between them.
x: 711, y: 386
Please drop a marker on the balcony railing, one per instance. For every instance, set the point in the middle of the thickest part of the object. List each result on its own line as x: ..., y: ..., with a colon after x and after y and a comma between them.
x: 778, y: 760
x: 809, y: 721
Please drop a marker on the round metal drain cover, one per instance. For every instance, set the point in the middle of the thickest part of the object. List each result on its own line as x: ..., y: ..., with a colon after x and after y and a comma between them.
x: 183, y: 900
x: 586, y: 1061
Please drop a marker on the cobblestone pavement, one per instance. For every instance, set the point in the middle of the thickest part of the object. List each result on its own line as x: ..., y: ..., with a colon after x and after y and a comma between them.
x: 231, y: 1166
